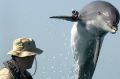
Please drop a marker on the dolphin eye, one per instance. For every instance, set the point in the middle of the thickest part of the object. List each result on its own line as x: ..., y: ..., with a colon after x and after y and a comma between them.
x: 99, y: 13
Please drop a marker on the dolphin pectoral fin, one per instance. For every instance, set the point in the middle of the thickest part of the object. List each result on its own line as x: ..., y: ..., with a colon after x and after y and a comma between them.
x: 97, y: 50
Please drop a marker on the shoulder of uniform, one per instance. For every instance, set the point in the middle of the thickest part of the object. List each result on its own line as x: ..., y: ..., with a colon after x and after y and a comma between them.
x: 4, y: 71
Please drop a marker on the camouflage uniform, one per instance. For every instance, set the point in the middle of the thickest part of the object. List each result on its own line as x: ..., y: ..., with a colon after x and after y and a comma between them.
x: 22, y: 47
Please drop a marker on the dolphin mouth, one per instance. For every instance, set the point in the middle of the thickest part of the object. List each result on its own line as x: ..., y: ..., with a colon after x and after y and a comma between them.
x: 113, y: 29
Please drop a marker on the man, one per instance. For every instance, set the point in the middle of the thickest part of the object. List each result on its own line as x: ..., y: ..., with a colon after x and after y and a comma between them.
x: 23, y: 54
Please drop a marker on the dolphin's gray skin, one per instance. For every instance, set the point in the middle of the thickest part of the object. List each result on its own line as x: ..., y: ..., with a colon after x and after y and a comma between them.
x: 91, y: 24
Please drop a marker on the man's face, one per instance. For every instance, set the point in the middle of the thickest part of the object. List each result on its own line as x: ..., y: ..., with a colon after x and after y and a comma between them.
x: 25, y: 62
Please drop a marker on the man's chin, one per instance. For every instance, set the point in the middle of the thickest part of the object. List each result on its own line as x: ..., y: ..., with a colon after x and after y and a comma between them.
x: 29, y: 67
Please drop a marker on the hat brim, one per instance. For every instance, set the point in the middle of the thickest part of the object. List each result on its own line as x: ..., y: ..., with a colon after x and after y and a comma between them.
x: 36, y: 51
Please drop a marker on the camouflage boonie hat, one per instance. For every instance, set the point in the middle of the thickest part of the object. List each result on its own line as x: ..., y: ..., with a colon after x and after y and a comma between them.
x: 23, y: 47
